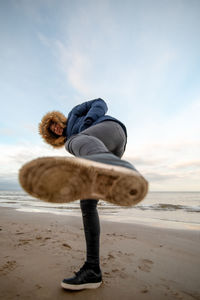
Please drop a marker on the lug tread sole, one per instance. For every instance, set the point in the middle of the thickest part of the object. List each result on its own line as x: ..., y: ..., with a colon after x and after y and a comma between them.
x: 66, y: 179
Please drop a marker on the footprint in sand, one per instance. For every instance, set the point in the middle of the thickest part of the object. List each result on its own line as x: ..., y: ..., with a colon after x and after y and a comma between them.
x: 115, y: 272
x: 106, y: 274
x: 121, y: 236
x: 38, y: 286
x: 19, y: 233
x: 24, y: 241
x: 144, y: 291
x: 145, y: 265
x: 110, y: 256
x: 66, y: 246
x: 8, y: 266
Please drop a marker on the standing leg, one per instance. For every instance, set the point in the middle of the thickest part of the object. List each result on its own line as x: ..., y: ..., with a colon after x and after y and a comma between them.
x: 92, y: 230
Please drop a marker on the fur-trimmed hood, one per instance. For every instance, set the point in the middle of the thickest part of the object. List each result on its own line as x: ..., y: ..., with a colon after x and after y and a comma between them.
x: 48, y: 136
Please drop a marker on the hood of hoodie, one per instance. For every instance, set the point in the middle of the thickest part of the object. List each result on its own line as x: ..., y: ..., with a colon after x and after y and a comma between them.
x: 44, y: 128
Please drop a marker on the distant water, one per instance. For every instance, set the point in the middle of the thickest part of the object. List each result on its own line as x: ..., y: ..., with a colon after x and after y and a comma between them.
x: 182, y: 208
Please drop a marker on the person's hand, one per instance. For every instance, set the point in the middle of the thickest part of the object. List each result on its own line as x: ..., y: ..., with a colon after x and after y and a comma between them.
x: 86, y: 124
x: 88, y: 121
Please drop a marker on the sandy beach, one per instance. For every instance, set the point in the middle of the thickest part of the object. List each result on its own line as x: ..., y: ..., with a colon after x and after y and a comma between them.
x: 138, y: 262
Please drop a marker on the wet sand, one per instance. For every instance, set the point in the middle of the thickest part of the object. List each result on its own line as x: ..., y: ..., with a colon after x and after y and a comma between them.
x: 138, y: 262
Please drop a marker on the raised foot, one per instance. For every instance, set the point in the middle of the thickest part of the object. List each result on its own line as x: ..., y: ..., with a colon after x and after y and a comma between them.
x: 65, y: 179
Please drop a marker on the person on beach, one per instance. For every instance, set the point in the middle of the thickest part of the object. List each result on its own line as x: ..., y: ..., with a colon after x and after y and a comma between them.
x: 86, y: 131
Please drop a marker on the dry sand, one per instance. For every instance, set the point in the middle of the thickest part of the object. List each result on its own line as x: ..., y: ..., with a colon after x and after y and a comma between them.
x: 137, y: 261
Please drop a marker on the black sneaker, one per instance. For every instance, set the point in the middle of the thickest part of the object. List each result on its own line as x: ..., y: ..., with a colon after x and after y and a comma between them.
x: 85, y: 278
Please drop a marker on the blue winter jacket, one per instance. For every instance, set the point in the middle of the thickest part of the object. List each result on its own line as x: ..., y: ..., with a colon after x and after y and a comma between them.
x: 87, y: 114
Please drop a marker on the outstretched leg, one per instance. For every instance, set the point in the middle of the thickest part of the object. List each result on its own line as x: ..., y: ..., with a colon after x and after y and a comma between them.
x: 101, y: 138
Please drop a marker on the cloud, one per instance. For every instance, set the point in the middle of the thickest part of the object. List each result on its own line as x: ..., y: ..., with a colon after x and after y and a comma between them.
x: 13, y: 157
x: 169, y: 156
x: 157, y: 177
x: 188, y: 164
x: 141, y: 161
x: 76, y: 65
x: 88, y: 73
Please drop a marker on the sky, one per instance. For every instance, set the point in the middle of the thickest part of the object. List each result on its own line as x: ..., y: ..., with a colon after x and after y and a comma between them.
x: 142, y: 57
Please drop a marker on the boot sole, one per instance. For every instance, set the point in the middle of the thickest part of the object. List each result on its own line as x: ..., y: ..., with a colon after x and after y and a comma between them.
x: 66, y: 179
x: 77, y: 287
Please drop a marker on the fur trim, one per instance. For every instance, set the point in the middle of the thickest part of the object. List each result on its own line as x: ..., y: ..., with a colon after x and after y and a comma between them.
x: 44, y: 131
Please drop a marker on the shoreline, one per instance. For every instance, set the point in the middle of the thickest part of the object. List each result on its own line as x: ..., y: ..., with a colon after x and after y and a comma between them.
x: 137, y: 261
x: 177, y: 211
x: 119, y: 217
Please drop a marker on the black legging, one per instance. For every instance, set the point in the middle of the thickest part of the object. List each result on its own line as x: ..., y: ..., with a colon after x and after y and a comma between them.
x: 107, y: 136
x: 91, y: 228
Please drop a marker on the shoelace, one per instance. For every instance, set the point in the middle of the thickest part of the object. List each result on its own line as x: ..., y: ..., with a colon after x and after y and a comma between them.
x: 83, y: 268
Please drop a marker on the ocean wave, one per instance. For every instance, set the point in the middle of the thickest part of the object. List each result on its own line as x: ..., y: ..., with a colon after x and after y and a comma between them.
x: 168, y: 207
x: 21, y: 199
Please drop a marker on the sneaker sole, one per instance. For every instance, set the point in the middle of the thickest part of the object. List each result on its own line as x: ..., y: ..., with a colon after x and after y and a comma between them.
x: 66, y: 179
x: 80, y: 286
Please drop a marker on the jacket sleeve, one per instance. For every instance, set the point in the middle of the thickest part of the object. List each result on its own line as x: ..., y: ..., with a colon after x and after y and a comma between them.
x: 93, y: 109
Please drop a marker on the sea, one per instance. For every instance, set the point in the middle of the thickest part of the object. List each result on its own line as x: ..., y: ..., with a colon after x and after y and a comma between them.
x: 180, y: 210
